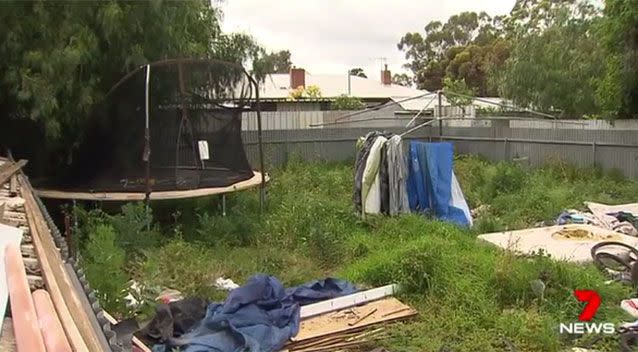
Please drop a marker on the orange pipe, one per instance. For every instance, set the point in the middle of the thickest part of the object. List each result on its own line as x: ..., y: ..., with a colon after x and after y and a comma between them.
x: 52, y: 331
x: 25, y: 323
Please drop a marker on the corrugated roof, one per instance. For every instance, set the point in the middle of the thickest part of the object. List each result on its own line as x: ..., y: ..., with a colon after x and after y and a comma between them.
x: 276, y: 86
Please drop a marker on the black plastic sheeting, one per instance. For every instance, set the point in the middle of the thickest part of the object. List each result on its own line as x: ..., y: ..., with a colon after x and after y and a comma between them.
x: 192, y: 106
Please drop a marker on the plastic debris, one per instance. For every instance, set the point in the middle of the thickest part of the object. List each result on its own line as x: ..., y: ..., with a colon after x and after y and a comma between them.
x: 630, y: 306
x: 169, y: 295
x: 225, y: 284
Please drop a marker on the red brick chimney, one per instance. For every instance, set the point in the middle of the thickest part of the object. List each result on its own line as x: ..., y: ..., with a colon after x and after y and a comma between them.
x: 386, y: 76
x: 297, y: 77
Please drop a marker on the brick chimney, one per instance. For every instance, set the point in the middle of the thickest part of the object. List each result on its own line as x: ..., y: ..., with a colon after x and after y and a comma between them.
x: 297, y: 77
x: 386, y: 76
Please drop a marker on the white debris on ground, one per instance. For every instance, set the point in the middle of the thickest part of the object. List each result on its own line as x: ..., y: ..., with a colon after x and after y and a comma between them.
x: 169, y: 295
x: 225, y: 284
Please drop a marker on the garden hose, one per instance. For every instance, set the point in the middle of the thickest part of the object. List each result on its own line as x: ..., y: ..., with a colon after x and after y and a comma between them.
x: 626, y: 261
x: 628, y: 340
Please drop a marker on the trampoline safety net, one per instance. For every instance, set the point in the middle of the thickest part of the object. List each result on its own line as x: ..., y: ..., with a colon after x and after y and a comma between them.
x: 193, y: 112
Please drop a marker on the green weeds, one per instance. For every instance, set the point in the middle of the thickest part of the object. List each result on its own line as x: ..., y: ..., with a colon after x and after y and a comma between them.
x: 471, y: 297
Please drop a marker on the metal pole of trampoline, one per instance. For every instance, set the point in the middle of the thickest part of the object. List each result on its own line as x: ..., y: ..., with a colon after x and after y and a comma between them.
x: 224, y: 204
x: 147, y: 143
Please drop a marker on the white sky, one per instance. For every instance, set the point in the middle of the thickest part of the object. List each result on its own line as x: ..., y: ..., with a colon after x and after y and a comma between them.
x: 331, y: 36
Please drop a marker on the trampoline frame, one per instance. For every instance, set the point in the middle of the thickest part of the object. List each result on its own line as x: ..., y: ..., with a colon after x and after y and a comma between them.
x: 260, y: 178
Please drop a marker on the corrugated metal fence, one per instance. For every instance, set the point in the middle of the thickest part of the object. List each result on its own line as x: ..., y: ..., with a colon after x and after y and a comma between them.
x: 582, y: 143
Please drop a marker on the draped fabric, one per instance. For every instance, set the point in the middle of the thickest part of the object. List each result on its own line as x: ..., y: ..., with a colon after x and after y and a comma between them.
x: 389, y: 182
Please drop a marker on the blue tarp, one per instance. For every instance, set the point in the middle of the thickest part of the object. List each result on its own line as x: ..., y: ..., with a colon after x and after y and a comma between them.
x: 430, y: 182
x: 258, y: 316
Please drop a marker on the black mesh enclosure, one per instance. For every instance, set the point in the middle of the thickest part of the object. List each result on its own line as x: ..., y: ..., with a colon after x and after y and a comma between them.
x: 194, y: 131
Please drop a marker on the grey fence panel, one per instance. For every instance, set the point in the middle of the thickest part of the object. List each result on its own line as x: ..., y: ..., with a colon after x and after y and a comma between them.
x: 621, y: 159
x: 582, y: 143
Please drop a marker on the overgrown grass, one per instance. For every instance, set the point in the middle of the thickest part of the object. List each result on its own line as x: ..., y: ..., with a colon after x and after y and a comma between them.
x: 471, y: 296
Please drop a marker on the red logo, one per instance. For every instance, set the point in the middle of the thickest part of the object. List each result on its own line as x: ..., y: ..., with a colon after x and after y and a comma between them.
x: 593, y: 302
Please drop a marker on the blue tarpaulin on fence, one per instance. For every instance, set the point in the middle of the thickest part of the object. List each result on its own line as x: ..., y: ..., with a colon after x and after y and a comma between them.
x: 258, y: 316
x: 432, y: 186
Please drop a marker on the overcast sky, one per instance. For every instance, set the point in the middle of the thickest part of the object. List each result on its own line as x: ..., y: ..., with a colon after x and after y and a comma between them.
x: 331, y: 36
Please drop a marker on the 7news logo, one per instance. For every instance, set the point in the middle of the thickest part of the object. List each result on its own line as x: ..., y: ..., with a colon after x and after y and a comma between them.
x: 584, y: 326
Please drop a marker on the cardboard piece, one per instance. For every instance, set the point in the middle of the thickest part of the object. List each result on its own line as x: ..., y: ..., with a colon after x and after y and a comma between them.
x: 341, y: 321
x: 531, y: 241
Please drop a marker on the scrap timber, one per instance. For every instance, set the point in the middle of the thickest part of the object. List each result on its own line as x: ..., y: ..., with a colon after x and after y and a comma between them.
x: 350, y: 326
x: 39, y: 263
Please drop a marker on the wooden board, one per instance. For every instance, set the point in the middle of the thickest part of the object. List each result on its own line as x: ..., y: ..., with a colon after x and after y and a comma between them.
x: 7, y: 338
x: 255, y: 181
x: 530, y: 241
x: 360, y: 335
x: 13, y: 186
x: 136, y: 342
x: 26, y: 329
x: 9, y: 169
x: 73, y: 318
x: 50, y: 327
x: 339, y: 321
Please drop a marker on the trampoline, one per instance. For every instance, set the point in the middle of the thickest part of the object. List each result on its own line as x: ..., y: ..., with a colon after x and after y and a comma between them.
x: 167, y: 130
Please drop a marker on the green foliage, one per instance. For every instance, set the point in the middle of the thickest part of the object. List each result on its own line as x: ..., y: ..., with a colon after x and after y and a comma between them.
x: 309, y: 92
x: 518, y: 197
x: 357, y: 72
x: 345, y: 102
x: 313, y: 91
x: 135, y: 229
x: 555, y: 69
x: 104, y: 264
x: 190, y: 268
x: 133, y: 226
x: 566, y: 56
x: 471, y: 295
x: 618, y: 90
x: 274, y: 62
x: 474, y: 294
x: 402, y: 79
x: 466, y: 47
x: 451, y: 86
x: 59, y: 59
x: 235, y: 229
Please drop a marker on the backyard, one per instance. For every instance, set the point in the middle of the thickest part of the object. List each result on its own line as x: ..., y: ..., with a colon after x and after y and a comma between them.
x: 470, y: 296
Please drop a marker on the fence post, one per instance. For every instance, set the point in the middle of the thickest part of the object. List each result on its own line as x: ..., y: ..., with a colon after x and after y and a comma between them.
x: 593, y: 149
x: 506, y: 153
x: 439, y: 94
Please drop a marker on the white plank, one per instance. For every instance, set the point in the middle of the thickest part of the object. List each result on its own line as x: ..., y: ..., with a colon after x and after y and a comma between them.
x: 374, y: 294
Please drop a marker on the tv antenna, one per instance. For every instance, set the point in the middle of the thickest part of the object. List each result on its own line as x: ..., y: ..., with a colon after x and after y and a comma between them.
x: 383, y: 60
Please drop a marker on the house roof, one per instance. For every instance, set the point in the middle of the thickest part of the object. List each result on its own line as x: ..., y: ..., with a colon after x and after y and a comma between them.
x: 277, y: 86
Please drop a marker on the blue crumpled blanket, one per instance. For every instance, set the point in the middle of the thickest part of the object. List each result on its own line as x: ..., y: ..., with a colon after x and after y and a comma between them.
x: 258, y: 316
